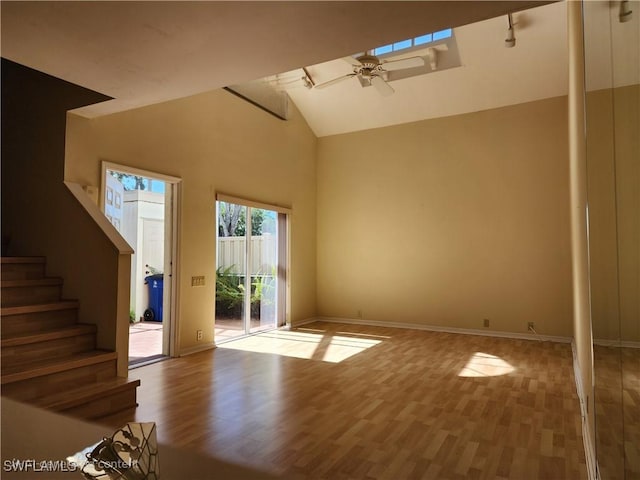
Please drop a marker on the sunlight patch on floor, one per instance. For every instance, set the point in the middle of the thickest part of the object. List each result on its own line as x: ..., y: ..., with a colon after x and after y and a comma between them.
x: 485, y: 365
x: 312, y: 346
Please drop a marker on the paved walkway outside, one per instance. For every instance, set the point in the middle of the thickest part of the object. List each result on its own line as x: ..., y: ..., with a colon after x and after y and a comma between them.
x: 145, y: 340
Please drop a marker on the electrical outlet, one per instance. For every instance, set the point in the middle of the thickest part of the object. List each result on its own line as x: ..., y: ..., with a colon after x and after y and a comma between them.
x: 197, y: 281
x: 531, y: 326
x: 199, y: 335
x: 486, y: 322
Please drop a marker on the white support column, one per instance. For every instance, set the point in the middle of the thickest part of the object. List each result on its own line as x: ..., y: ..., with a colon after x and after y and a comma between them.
x: 579, y: 228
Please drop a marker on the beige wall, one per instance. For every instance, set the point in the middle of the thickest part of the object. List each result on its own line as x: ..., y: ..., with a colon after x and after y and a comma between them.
x: 614, y: 203
x: 449, y: 221
x: 603, y: 264
x: 627, y: 159
x: 215, y: 142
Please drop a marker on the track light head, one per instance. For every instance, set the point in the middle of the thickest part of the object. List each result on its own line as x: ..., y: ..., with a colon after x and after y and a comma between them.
x: 510, y: 41
x: 306, y: 82
x: 625, y: 11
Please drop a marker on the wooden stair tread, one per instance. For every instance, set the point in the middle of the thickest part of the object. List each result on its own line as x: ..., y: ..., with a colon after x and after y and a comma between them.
x: 39, y: 307
x: 85, y: 393
x: 22, y: 259
x: 50, y: 359
x: 52, y: 334
x: 38, y: 282
x: 49, y: 366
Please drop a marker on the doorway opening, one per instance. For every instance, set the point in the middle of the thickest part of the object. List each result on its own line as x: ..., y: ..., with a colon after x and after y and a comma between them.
x: 142, y: 207
x: 250, y: 268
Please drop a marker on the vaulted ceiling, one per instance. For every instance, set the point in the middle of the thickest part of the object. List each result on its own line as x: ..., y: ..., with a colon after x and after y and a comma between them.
x: 490, y: 76
x: 147, y: 52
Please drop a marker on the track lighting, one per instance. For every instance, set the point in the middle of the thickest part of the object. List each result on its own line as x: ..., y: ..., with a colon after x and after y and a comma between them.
x: 307, y: 81
x: 510, y: 41
x: 625, y: 11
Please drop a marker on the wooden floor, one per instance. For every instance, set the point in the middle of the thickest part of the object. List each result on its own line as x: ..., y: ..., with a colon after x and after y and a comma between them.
x: 617, y: 402
x: 346, y: 401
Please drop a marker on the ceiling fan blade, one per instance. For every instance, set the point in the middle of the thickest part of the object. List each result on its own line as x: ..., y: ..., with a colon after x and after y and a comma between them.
x: 334, y: 81
x: 403, y: 63
x: 381, y: 86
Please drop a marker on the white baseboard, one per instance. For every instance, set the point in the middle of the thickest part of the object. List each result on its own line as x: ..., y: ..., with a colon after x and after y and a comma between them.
x: 196, y: 349
x: 305, y: 321
x: 589, y: 450
x: 437, y: 328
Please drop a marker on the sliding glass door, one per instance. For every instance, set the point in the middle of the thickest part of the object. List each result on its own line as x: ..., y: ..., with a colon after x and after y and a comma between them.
x: 231, y: 270
x: 263, y: 254
x: 247, y: 281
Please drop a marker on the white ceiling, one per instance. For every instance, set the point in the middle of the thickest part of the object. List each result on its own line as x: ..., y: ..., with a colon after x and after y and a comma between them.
x: 148, y: 52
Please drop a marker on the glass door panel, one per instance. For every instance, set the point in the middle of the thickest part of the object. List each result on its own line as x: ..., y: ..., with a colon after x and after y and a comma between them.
x: 264, y: 268
x: 247, y: 284
x: 231, y: 271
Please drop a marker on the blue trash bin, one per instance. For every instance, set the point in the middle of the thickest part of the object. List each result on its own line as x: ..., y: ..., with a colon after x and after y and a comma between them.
x: 155, y: 285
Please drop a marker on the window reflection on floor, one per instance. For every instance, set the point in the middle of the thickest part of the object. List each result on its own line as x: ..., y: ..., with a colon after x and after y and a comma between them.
x: 309, y: 344
x: 485, y: 365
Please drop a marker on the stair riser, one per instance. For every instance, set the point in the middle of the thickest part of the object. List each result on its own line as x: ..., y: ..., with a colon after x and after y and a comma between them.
x: 31, y: 295
x: 12, y: 325
x: 107, y: 405
x: 22, y: 271
x: 33, y: 388
x: 51, y: 349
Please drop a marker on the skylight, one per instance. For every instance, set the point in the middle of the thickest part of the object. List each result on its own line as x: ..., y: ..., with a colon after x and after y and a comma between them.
x: 413, y: 42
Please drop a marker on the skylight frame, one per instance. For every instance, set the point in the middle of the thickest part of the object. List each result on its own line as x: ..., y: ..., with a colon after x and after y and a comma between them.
x: 425, y: 40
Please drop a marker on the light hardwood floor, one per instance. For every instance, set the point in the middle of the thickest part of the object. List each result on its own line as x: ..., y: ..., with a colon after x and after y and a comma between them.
x: 617, y: 402
x: 347, y: 401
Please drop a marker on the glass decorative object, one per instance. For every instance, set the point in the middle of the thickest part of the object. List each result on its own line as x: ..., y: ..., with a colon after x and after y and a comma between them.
x: 131, y: 453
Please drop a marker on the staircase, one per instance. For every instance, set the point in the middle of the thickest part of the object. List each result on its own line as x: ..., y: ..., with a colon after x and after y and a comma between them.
x: 48, y: 358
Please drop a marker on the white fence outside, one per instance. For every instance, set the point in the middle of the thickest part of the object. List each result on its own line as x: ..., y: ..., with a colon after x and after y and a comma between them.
x: 232, y: 253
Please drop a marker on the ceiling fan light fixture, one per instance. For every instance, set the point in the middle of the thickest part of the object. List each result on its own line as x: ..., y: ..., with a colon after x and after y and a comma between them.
x: 370, y: 71
x: 510, y: 41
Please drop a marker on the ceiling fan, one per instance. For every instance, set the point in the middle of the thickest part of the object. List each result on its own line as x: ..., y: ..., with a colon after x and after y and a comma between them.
x: 371, y: 71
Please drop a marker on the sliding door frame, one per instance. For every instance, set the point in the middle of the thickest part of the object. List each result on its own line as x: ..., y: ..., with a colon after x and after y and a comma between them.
x: 283, y: 256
